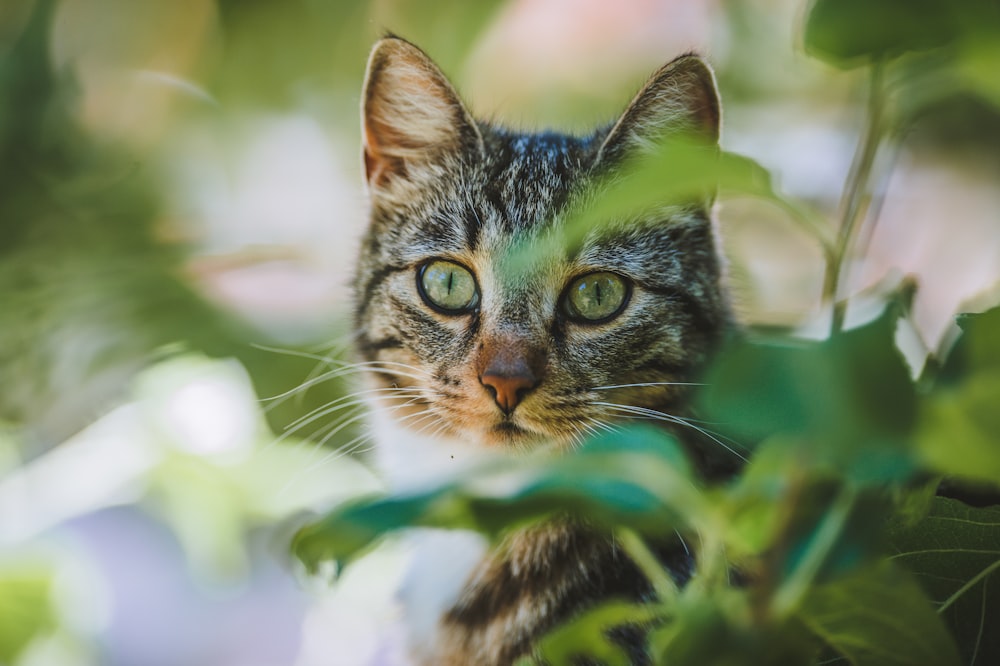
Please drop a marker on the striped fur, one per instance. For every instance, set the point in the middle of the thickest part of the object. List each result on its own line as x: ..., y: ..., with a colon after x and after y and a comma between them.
x: 443, y: 185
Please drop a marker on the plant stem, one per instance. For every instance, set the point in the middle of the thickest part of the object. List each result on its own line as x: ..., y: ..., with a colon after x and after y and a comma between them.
x: 857, y: 195
x: 638, y: 552
x: 828, y: 531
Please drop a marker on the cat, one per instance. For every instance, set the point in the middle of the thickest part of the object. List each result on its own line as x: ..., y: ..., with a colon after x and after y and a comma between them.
x: 489, y: 331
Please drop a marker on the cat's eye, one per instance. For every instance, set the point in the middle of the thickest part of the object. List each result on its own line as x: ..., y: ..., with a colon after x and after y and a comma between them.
x: 597, y: 297
x: 447, y: 287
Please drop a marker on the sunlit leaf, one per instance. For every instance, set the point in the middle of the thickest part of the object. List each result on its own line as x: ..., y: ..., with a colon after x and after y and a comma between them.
x: 26, y: 610
x: 976, y: 350
x: 959, y: 430
x: 679, y: 170
x: 879, y: 617
x: 955, y: 555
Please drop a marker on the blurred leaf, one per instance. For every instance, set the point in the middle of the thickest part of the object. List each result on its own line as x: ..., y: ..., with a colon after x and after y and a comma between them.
x: 831, y: 533
x: 679, y: 170
x: 589, y: 635
x: 637, y: 482
x: 721, y: 631
x: 879, y: 617
x: 848, y: 400
x: 26, y: 611
x: 955, y: 555
x: 977, y: 65
x: 851, y: 32
x: 976, y: 350
x: 959, y: 429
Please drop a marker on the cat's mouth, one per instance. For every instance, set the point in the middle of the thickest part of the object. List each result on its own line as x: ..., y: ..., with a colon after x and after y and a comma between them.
x: 509, y: 433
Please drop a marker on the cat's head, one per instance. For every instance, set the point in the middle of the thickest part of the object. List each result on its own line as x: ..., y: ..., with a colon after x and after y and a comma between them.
x: 483, y: 321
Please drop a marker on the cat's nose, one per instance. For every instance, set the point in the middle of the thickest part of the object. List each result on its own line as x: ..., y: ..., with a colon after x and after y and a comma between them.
x: 509, y: 370
x: 509, y: 388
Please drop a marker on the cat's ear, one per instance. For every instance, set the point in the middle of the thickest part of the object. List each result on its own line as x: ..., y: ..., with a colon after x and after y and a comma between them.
x: 680, y: 99
x: 412, y: 118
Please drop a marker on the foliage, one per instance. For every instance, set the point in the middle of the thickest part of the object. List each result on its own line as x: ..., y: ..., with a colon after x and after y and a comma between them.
x: 843, y: 551
x: 25, y: 607
x: 830, y: 519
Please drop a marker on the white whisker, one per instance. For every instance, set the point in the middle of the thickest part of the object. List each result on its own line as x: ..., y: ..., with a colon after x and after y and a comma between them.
x: 646, y: 412
x: 641, y: 384
x: 352, y: 401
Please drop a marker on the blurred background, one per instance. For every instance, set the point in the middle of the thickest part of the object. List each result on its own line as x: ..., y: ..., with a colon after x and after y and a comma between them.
x: 180, y: 202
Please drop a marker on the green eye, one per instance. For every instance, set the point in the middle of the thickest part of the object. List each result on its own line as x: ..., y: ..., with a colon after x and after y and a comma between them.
x: 447, y: 287
x: 597, y: 297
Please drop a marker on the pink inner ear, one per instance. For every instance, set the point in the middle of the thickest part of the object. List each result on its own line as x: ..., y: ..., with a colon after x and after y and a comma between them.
x: 413, y: 118
x: 373, y: 169
x: 380, y: 166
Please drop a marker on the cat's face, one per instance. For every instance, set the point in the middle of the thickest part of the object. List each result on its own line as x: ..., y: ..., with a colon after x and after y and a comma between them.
x: 481, y: 321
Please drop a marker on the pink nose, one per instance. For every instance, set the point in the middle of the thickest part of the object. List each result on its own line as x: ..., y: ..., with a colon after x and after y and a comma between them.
x: 508, y: 389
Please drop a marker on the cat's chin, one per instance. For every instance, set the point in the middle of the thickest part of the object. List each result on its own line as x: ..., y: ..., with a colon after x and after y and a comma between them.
x: 509, y: 434
x: 408, y: 458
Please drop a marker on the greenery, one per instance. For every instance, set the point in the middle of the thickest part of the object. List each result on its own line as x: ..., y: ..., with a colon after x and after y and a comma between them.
x: 865, y: 528
x: 846, y: 554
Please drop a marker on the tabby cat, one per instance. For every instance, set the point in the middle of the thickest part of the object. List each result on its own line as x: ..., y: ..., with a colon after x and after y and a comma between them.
x: 487, y: 329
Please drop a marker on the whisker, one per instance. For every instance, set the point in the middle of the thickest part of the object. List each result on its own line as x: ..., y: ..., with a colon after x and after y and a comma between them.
x: 670, y: 418
x: 641, y: 384
x: 340, y: 371
x: 351, y: 401
x: 348, y: 449
x: 298, y: 353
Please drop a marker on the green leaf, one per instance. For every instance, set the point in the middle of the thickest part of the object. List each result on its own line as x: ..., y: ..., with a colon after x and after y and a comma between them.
x: 958, y: 433
x: 26, y: 610
x: 831, y: 533
x: 879, y: 617
x: 720, y: 630
x: 960, y: 422
x: 976, y: 350
x: 847, y: 401
x: 955, y: 555
x: 847, y: 33
x: 587, y: 635
x: 636, y: 478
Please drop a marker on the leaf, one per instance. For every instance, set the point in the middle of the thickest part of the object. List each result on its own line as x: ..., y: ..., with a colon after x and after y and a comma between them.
x: 958, y: 433
x: 976, y: 350
x: 825, y: 539
x: 847, y: 401
x: 955, y: 555
x: 25, y: 608
x: 589, y: 634
x: 959, y: 423
x: 718, y: 630
x: 879, y: 617
x: 847, y: 33
x: 636, y: 478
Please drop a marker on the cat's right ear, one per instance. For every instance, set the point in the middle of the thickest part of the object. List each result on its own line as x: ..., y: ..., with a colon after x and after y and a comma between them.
x: 680, y: 99
x: 413, y: 122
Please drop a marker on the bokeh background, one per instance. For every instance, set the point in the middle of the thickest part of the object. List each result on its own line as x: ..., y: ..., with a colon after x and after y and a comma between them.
x: 180, y: 202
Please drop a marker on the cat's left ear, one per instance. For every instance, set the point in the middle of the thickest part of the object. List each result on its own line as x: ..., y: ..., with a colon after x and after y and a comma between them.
x: 414, y: 123
x: 680, y: 99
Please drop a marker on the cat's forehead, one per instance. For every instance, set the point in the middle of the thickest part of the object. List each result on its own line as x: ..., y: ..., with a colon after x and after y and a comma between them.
x: 524, y: 180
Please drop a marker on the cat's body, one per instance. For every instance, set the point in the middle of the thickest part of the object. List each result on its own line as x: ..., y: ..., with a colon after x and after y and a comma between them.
x: 489, y: 329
